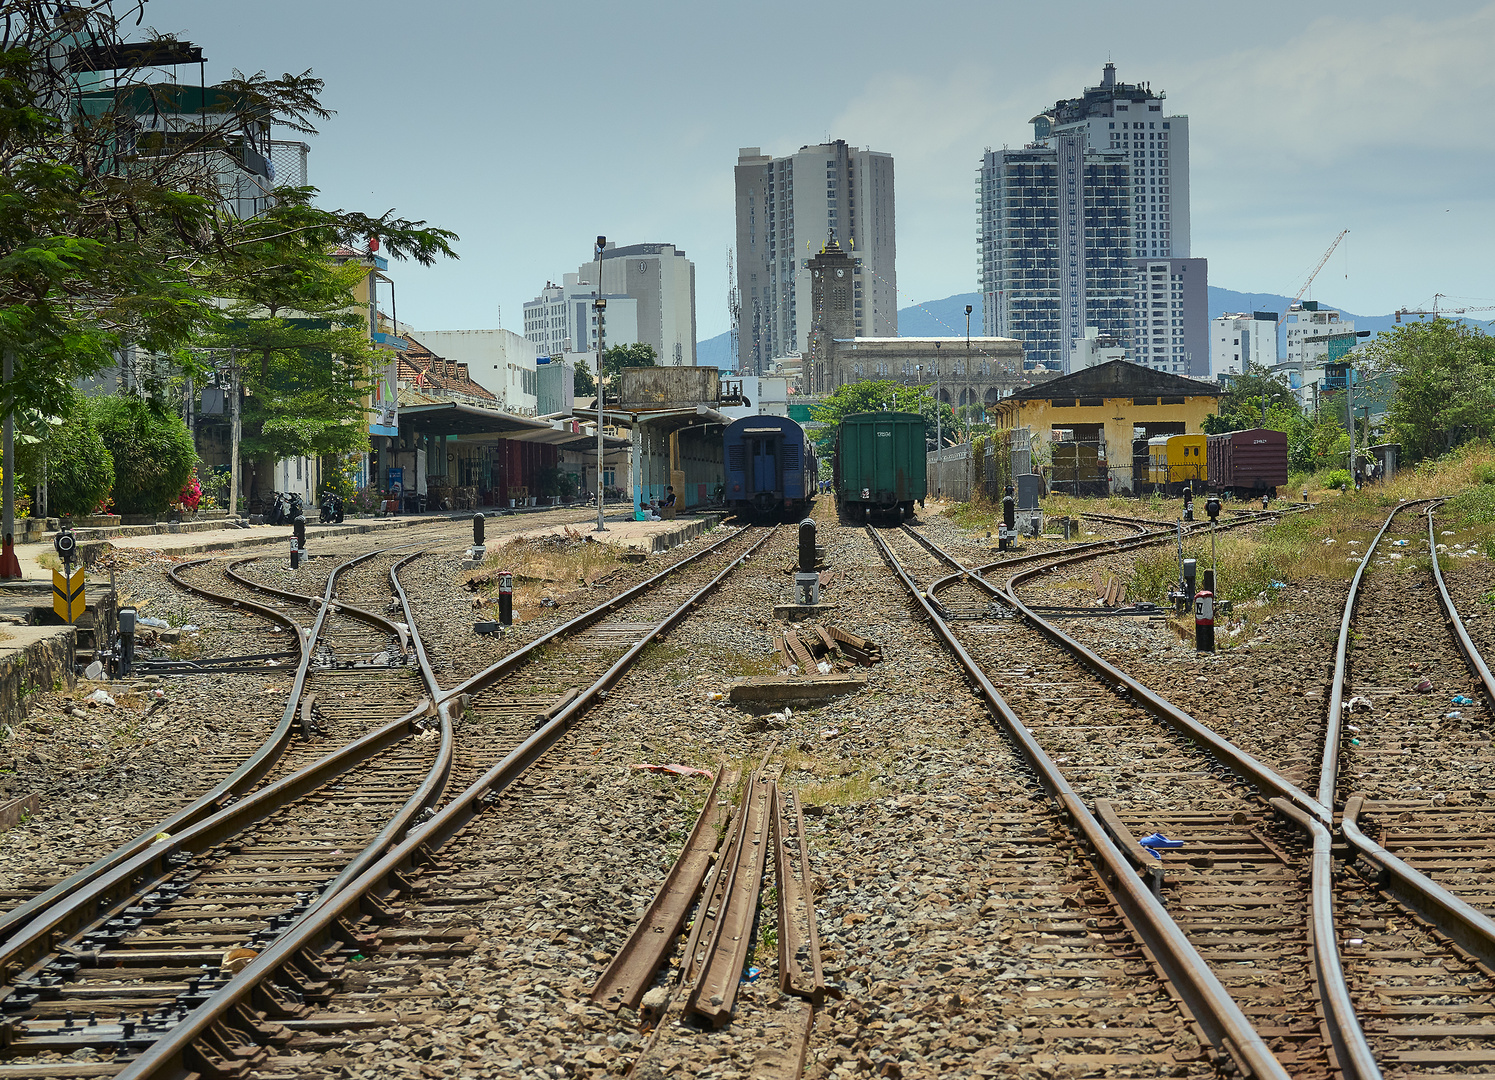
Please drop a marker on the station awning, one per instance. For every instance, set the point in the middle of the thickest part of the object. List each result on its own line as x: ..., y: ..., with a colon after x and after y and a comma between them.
x: 456, y: 418
x: 664, y: 419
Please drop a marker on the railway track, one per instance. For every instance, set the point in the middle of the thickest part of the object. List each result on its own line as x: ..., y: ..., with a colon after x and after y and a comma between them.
x: 231, y: 1028
x: 1404, y: 977
x: 1406, y: 764
x: 105, y: 964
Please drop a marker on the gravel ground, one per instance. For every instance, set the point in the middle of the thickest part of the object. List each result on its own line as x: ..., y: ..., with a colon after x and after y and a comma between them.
x: 951, y: 904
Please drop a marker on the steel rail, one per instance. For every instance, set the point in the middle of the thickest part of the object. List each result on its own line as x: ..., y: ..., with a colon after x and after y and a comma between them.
x: 102, y: 879
x: 342, y: 606
x: 1213, y: 1008
x: 1471, y: 929
x: 494, y: 672
x: 234, y: 601
x: 1329, y: 764
x: 1461, y: 632
x: 174, y: 1055
x: 242, y: 779
x: 1315, y: 817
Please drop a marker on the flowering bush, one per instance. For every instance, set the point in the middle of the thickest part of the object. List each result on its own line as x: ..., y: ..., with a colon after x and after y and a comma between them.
x: 190, y: 497
x: 366, y: 500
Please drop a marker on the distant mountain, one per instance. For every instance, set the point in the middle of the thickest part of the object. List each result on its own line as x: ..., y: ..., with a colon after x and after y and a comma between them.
x: 947, y: 318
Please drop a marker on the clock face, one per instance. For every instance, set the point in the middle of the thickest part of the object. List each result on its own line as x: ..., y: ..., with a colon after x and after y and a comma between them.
x: 642, y: 267
x: 840, y: 273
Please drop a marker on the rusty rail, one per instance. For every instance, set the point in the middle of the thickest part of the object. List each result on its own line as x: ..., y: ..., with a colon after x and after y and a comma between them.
x: 627, y: 978
x: 715, y: 992
x: 241, y: 780
x: 1211, y: 1005
x: 219, y: 1036
x: 1461, y: 632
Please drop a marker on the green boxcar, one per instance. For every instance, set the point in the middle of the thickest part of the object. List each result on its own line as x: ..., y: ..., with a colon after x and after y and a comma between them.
x: 880, y: 463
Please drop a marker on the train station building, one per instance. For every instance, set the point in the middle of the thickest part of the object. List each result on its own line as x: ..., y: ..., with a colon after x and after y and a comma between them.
x: 1087, y: 421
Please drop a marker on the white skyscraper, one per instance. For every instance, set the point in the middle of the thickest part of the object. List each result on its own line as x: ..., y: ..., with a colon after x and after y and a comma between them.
x: 663, y: 283
x: 1129, y: 117
x: 787, y: 209
x: 1071, y: 229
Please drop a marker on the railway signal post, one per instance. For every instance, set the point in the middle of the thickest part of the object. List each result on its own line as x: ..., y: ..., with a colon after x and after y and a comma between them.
x: 506, y: 599
x: 68, y: 601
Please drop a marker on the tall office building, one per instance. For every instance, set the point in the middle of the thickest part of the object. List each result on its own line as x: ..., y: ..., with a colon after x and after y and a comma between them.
x: 788, y: 208
x: 663, y: 281
x: 1129, y: 117
x: 1063, y: 221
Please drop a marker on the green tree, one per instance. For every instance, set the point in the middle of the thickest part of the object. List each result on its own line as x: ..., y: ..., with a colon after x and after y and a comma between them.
x: 78, y: 468
x: 876, y: 395
x: 1445, y: 384
x: 151, y: 448
x: 637, y: 354
x: 292, y: 319
x: 1241, y: 406
x: 583, y: 385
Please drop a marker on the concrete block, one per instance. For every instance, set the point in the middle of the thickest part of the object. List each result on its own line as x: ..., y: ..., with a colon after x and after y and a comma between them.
x: 787, y: 689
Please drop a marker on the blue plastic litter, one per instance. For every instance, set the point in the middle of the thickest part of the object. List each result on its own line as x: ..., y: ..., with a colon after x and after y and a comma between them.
x: 1454, y: 715
x: 1460, y: 699
x: 1279, y: 585
x: 1158, y: 840
x: 752, y: 974
x: 1400, y: 543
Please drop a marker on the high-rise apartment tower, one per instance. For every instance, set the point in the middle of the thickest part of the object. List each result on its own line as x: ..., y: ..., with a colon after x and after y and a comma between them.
x: 1063, y: 222
x: 788, y: 208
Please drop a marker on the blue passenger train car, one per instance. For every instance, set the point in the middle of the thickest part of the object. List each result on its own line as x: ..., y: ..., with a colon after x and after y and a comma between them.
x: 771, y: 466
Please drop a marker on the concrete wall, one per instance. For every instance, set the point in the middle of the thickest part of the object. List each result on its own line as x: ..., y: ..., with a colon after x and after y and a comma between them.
x: 668, y: 386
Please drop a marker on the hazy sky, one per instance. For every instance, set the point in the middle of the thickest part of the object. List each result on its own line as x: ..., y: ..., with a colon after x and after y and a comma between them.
x: 529, y: 129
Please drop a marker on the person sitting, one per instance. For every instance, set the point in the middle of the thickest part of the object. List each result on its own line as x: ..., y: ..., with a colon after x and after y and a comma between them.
x: 668, y: 510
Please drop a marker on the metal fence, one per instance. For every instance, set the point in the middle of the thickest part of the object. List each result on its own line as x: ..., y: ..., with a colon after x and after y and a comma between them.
x: 954, y: 472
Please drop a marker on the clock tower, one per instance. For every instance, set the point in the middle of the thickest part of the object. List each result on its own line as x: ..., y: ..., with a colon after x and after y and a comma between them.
x: 833, y: 292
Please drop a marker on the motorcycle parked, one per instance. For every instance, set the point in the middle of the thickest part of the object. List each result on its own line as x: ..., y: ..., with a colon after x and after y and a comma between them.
x: 332, y: 509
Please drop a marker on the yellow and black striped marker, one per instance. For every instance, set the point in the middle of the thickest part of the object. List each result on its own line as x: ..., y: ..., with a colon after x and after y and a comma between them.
x: 67, y: 595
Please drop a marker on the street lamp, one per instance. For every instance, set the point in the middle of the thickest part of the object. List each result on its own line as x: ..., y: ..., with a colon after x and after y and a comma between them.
x: 599, y: 305
x: 968, y: 356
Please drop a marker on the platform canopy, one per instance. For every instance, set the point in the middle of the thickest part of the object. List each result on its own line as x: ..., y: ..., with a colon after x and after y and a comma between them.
x: 456, y: 418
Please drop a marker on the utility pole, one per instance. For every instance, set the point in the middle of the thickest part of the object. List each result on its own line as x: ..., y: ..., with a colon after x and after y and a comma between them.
x: 599, y: 305
x: 235, y: 431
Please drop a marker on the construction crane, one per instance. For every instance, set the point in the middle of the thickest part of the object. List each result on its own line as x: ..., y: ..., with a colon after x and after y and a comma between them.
x: 1313, y: 274
x: 1438, y: 312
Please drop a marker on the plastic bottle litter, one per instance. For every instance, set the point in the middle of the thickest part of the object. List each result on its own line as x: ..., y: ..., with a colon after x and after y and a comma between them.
x: 1453, y: 715
x: 1158, y: 840
x: 1460, y: 699
x: 101, y: 698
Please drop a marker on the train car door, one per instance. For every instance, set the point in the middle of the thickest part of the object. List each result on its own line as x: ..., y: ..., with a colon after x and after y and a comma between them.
x: 763, y: 463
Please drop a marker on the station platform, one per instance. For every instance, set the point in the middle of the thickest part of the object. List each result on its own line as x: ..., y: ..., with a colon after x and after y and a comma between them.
x: 647, y: 536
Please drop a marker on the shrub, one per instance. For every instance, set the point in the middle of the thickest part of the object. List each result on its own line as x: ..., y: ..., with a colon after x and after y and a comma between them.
x: 79, y: 466
x: 152, y: 449
x: 1338, y: 479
